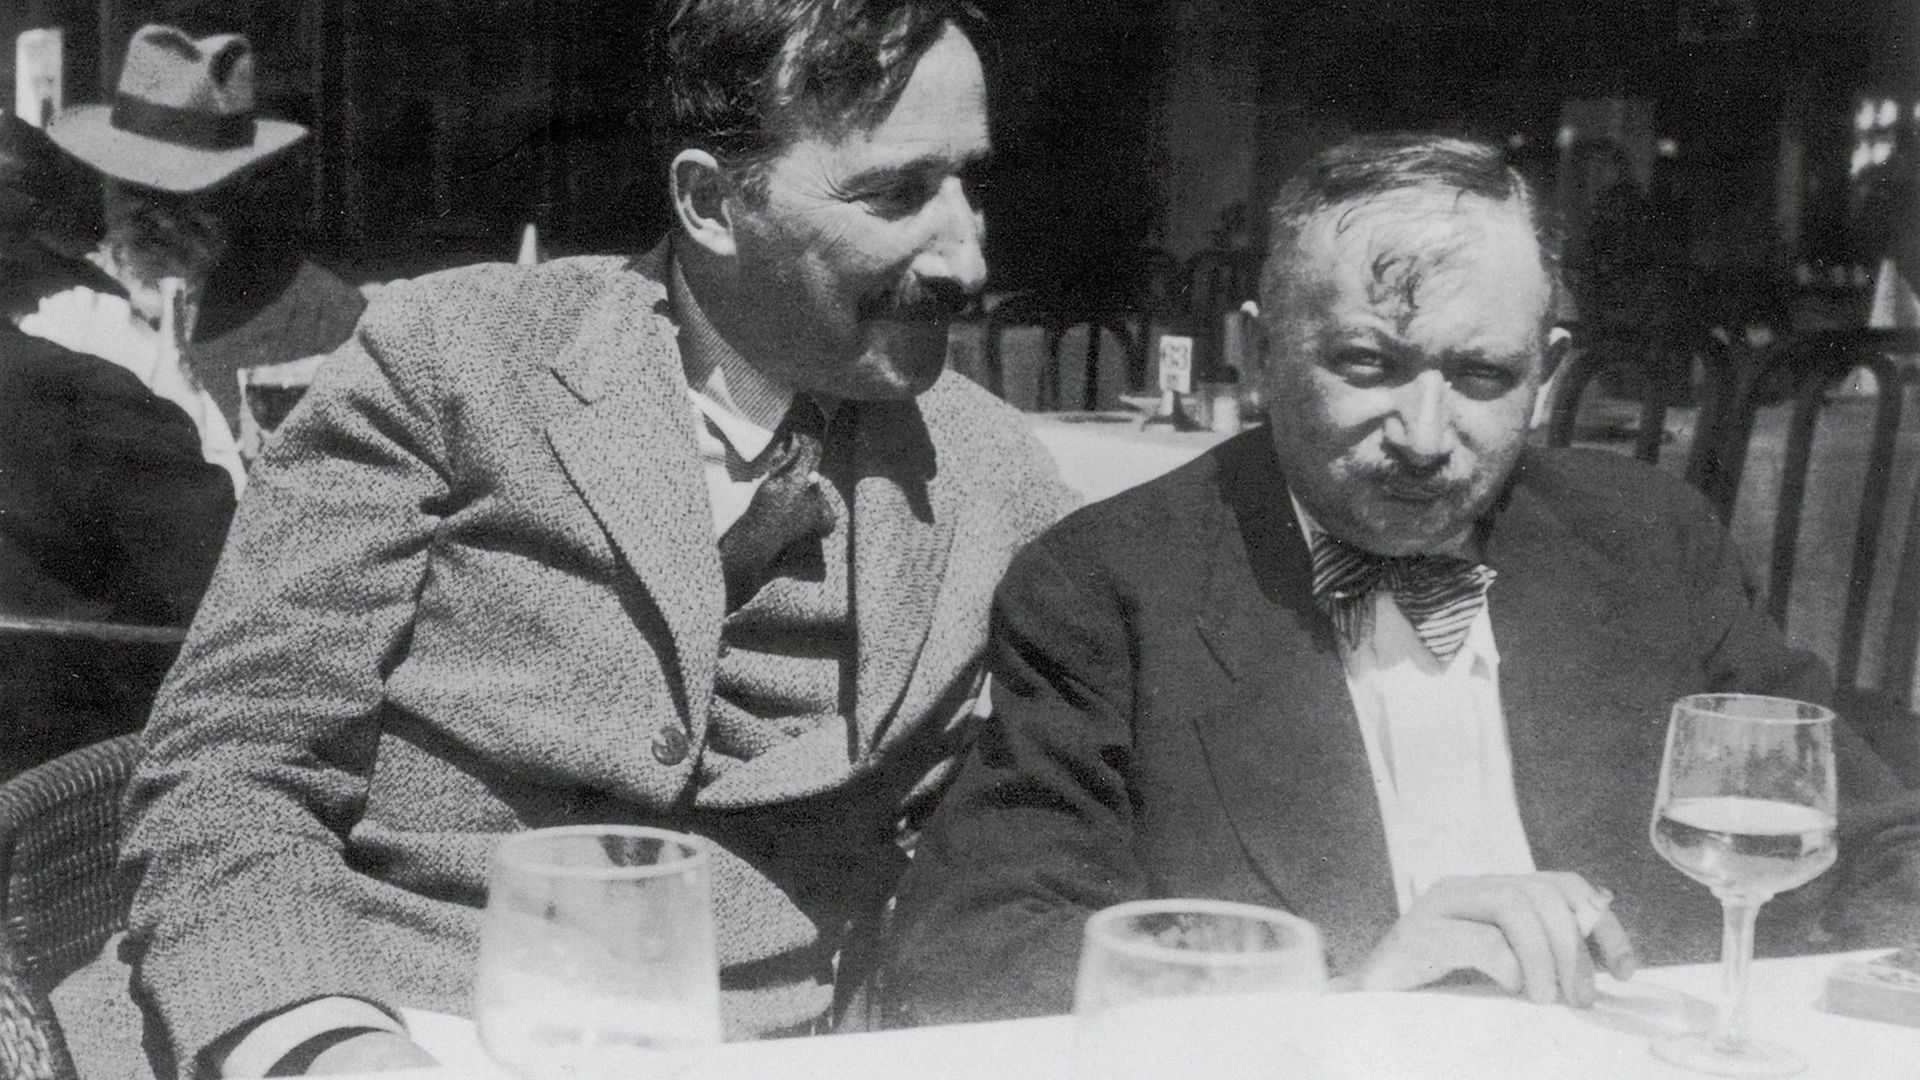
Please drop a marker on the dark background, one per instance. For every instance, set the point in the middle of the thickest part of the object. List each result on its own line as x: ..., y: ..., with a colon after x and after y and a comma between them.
x: 441, y: 126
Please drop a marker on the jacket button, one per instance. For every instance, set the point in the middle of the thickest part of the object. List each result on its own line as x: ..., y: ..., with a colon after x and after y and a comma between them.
x: 670, y: 745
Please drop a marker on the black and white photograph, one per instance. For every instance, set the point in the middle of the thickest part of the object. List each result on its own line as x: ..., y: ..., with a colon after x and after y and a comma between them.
x: 960, y: 539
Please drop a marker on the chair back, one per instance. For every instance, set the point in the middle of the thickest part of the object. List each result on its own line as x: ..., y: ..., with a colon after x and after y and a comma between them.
x: 1589, y: 359
x: 31, y: 1046
x: 1900, y: 649
x: 61, y: 895
x: 1055, y: 317
x: 1218, y: 280
x: 69, y: 683
x: 1822, y: 361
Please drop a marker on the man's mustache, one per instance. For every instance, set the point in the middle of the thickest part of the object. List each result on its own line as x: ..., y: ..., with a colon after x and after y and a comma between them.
x: 1432, y: 483
x: 919, y: 300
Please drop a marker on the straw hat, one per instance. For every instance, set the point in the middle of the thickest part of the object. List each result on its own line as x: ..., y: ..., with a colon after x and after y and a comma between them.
x: 44, y: 231
x: 182, y: 118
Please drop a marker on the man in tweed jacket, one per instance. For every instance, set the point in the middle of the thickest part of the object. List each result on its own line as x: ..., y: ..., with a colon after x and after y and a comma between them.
x: 475, y: 585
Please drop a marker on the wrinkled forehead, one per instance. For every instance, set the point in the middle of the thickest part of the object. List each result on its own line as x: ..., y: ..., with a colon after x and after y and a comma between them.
x: 1411, y: 251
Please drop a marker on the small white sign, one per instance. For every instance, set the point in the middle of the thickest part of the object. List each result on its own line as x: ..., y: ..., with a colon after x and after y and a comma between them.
x: 1176, y: 364
x: 37, y: 79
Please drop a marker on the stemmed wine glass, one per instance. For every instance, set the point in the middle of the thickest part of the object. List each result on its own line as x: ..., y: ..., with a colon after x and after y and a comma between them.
x: 597, y: 957
x: 1198, y: 988
x: 1746, y: 807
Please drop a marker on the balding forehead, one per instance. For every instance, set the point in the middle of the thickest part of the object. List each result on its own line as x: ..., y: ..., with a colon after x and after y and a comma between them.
x: 1395, y: 243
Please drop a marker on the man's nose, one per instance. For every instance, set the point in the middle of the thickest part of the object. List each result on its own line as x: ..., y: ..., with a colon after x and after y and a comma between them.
x: 1420, y: 428
x: 954, y: 253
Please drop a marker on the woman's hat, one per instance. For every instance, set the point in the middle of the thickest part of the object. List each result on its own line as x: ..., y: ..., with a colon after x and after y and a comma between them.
x: 182, y: 118
x: 45, y: 232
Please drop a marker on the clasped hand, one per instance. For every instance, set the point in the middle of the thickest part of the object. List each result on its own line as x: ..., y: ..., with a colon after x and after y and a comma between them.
x: 1534, y: 934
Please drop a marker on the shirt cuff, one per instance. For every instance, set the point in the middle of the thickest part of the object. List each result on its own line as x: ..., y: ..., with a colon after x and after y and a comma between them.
x: 281, y: 1034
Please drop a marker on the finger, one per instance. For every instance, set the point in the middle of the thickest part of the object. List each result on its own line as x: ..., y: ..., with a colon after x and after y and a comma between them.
x: 1491, y: 955
x: 1565, y: 942
x: 1527, y: 938
x: 1606, y: 935
x: 1615, y: 950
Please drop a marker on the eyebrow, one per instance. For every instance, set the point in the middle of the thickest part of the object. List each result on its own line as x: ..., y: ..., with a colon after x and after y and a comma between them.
x: 1375, y: 339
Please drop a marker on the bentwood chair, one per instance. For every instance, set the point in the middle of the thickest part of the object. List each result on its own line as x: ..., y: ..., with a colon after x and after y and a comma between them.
x: 1054, y: 316
x: 1821, y: 362
x: 1724, y: 422
x: 1589, y: 360
x: 1883, y: 712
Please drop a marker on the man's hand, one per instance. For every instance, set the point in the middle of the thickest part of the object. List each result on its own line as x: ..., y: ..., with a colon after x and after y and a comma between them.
x: 371, y: 1051
x: 1531, y: 933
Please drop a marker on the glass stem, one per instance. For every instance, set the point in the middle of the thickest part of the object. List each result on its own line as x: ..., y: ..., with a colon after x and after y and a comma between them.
x: 1736, y: 955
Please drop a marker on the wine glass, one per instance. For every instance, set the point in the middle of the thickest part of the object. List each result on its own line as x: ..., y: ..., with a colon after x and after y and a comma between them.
x: 597, y: 956
x: 1747, y: 808
x: 1198, y: 988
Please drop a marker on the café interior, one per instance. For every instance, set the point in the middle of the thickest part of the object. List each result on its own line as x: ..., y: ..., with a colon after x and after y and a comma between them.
x: 1736, y: 182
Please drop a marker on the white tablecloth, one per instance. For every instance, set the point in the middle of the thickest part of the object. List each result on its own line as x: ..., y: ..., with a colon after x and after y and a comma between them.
x: 1369, y: 1036
x: 1102, y: 454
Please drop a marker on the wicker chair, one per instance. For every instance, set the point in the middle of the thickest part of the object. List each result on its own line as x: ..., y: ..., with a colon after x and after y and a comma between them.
x: 60, y: 893
x: 30, y: 1044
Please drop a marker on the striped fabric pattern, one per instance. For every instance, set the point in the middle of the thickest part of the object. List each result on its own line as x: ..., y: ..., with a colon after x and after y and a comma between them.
x: 1439, y: 594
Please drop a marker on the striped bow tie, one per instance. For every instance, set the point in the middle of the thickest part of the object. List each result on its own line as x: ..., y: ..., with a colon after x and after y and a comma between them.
x: 1439, y: 594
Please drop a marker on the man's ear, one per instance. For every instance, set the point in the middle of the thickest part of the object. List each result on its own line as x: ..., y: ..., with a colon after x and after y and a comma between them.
x: 700, y: 192
x: 1559, y: 343
x: 1552, y: 364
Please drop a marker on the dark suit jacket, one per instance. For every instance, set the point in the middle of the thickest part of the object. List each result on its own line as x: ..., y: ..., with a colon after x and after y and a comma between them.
x: 107, y: 513
x: 1172, y: 719
x: 474, y: 589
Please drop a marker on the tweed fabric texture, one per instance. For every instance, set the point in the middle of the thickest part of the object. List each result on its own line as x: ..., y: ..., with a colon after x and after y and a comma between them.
x: 473, y: 589
x: 786, y: 653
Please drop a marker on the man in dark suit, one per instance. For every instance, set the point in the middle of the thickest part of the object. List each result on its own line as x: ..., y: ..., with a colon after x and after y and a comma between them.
x: 705, y: 539
x: 1216, y: 686
x: 107, y: 511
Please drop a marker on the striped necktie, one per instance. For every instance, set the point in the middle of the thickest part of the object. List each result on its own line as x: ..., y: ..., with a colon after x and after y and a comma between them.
x: 1439, y: 594
x: 787, y: 509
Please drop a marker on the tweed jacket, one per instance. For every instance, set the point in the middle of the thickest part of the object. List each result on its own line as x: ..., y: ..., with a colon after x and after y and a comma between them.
x: 107, y: 512
x: 1171, y: 718
x: 473, y: 588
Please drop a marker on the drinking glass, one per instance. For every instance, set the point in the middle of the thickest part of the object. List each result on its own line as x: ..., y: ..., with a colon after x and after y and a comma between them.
x: 1198, y: 988
x: 1747, y: 808
x: 597, y: 955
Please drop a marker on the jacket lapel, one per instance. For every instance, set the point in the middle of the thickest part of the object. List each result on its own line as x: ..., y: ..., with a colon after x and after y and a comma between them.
x: 902, y: 511
x: 1284, y: 746
x: 1586, y: 715
x: 631, y: 452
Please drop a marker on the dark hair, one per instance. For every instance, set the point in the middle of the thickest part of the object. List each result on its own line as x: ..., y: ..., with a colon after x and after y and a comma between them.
x: 723, y: 73
x: 1365, y: 166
